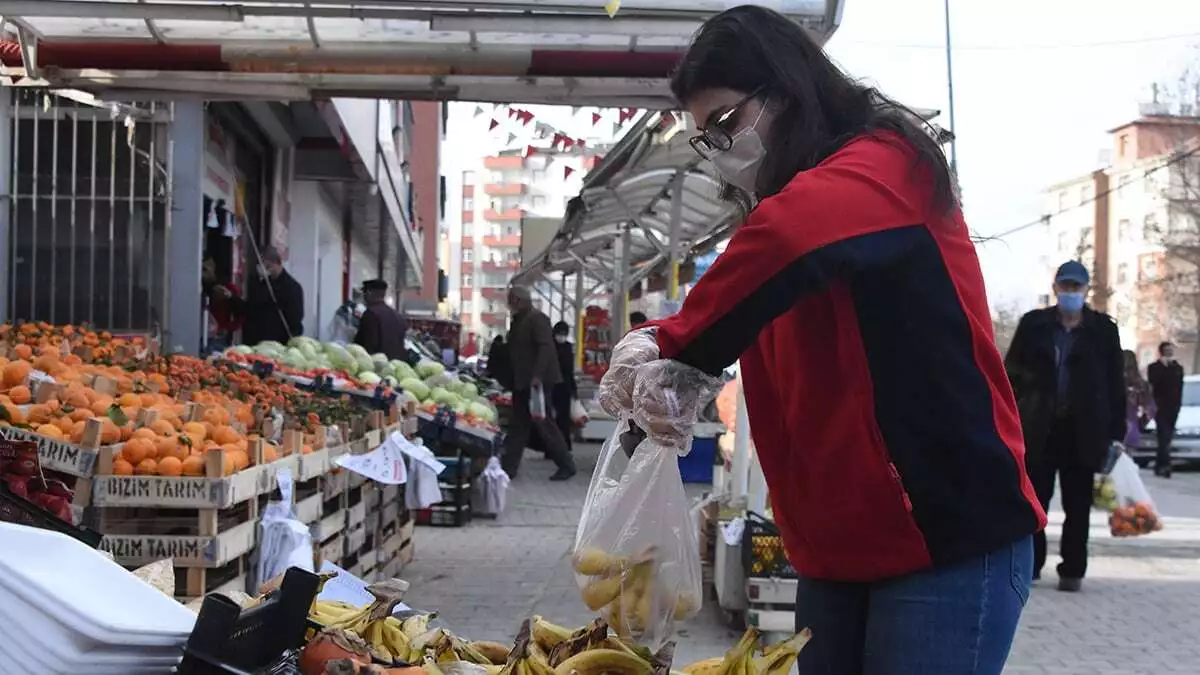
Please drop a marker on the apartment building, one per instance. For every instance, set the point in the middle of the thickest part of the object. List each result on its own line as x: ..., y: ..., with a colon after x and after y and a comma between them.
x: 1119, y: 219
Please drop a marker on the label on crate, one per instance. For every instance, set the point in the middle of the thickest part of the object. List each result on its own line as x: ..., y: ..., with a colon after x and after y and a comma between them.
x: 160, y: 491
x: 56, y: 455
x: 133, y: 549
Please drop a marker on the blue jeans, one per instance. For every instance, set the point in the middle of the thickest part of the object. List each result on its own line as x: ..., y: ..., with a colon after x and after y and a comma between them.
x: 956, y: 620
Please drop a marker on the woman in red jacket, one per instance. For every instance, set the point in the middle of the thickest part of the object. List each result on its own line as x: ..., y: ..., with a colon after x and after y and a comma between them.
x: 852, y: 295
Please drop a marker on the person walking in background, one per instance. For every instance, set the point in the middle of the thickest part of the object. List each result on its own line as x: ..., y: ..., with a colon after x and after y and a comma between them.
x: 225, y: 321
x: 1068, y: 373
x: 274, y: 307
x: 499, y: 365
x: 381, y: 329
x: 534, y: 366
x: 1139, y: 402
x: 1166, y: 382
x: 565, y: 391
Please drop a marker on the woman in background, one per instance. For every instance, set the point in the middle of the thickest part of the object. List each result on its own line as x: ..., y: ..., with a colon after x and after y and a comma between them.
x: 565, y: 391
x: 1139, y: 401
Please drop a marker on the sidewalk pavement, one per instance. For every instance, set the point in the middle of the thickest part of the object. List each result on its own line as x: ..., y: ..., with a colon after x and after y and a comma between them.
x: 1136, y: 615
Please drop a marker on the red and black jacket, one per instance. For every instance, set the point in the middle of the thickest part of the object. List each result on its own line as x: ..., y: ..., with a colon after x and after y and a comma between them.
x: 881, y: 412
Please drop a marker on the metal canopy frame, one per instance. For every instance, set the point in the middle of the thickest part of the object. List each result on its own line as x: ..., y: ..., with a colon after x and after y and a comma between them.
x: 483, y: 50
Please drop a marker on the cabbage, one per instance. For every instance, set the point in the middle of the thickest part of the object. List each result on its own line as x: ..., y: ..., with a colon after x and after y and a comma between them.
x: 240, y: 349
x: 481, y: 411
x: 415, y: 387
x: 468, y: 390
x: 402, y: 369
x: 407, y: 396
x: 357, y: 351
x: 443, y: 396
x: 440, y: 380
x: 364, y: 362
x: 429, y: 368
x: 340, y: 358
x: 270, y: 348
x: 370, y: 379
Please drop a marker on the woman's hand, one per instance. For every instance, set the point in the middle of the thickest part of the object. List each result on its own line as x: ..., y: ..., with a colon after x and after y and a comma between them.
x: 616, y: 387
x: 667, y: 399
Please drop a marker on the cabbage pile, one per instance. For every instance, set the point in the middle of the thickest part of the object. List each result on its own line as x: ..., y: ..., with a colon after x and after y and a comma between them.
x: 427, y: 383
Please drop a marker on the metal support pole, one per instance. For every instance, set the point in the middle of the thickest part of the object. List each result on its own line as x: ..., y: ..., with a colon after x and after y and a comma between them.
x: 620, y: 290
x: 8, y: 119
x: 186, y: 242
x: 579, y: 300
x: 741, y: 447
x: 675, y: 243
x: 950, y: 96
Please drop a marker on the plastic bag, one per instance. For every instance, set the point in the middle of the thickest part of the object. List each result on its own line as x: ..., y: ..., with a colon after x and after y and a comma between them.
x: 636, y: 349
x: 579, y: 414
x: 284, y: 541
x: 636, y: 556
x: 537, y: 402
x: 491, y: 489
x: 1135, y: 513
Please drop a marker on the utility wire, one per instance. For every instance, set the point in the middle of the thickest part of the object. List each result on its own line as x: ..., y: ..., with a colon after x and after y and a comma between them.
x: 1090, y: 200
x: 1025, y: 47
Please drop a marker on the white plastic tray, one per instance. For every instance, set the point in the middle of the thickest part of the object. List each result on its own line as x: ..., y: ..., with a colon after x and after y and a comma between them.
x: 18, y: 660
x: 90, y: 594
x: 33, y: 629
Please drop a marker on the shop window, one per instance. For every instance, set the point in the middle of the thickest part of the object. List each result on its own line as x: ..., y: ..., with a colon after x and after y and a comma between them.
x: 511, y: 230
x: 468, y: 227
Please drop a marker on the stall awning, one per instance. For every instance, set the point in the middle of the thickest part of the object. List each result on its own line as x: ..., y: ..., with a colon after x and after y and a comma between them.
x: 634, y: 189
x: 532, y: 51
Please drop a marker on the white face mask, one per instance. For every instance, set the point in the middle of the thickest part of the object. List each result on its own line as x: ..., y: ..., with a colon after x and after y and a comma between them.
x: 740, y: 163
x: 560, y: 338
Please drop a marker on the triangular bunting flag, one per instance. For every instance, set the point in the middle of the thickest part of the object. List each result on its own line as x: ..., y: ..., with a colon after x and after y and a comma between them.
x: 525, y: 116
x: 478, y: 110
x: 581, y: 143
x: 611, y: 7
x: 567, y: 142
x: 567, y: 171
x: 616, y: 128
x: 530, y: 150
x: 511, y: 137
x: 493, y: 124
x: 575, y: 110
x: 596, y: 118
x: 512, y: 112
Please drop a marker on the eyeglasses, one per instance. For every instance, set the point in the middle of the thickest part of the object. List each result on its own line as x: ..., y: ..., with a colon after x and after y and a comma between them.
x: 715, y: 136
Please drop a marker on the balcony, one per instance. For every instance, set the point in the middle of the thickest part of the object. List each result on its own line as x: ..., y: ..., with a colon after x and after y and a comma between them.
x: 494, y: 319
x: 501, y: 265
x: 468, y: 242
x: 502, y: 163
x: 466, y: 292
x: 495, y: 294
x: 504, y: 189
x: 508, y: 240
x: 507, y: 214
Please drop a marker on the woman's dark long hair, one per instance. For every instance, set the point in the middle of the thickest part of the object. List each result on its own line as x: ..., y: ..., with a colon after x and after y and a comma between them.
x: 816, y: 107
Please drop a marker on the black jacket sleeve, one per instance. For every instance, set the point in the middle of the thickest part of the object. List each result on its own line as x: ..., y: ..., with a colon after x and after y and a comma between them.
x: 1016, y: 361
x: 369, y: 335
x: 1114, y: 367
x: 292, y: 306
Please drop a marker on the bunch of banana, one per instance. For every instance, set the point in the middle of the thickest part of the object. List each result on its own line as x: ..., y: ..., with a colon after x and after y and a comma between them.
x: 374, y: 623
x: 631, y: 590
x: 776, y: 659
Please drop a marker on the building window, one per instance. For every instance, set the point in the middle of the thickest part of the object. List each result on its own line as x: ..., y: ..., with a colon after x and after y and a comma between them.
x: 1086, y: 238
x: 467, y: 228
x: 468, y: 178
x: 441, y: 196
x: 1085, y: 194
x: 1122, y: 145
x: 511, y: 230
x: 1122, y: 273
x: 466, y: 281
x: 468, y: 204
x: 1124, y: 229
x: 539, y: 175
x: 1149, y: 268
x: 1149, y: 227
x: 467, y: 255
x: 1062, y: 201
x: 513, y: 257
x: 1150, y: 184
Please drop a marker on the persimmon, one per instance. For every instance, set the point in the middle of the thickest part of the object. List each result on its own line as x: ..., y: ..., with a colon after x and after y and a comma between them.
x: 122, y: 468
x: 72, y: 360
x: 101, y: 405
x: 65, y: 424
x: 47, y: 362
x: 228, y: 467
x: 225, y: 435
x: 170, y: 466
x: 50, y: 431
x: 109, y: 433
x: 76, y: 398
x: 170, y: 447
x: 20, y: 394
x: 38, y: 413
x: 193, y: 466
x: 137, y: 449
x: 14, y: 414
x: 147, y: 400
x: 146, y: 467
x: 270, y: 453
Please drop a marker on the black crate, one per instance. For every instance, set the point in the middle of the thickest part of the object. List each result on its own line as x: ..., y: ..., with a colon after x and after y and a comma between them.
x: 762, y: 549
x: 21, y: 511
x: 228, y: 640
x: 444, y: 515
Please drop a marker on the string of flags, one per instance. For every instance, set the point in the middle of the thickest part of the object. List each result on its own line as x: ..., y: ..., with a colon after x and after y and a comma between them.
x: 559, y: 140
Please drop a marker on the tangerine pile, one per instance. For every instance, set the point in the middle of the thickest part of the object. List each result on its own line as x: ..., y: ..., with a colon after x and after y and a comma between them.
x: 168, y: 446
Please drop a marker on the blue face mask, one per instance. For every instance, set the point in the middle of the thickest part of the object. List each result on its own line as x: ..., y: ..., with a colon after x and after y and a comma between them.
x: 1071, y: 303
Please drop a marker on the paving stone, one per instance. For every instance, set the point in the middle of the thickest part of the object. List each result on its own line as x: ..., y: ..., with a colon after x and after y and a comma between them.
x: 1137, y: 613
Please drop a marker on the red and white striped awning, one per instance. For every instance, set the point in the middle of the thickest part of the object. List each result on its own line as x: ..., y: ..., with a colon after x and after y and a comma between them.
x: 576, y: 52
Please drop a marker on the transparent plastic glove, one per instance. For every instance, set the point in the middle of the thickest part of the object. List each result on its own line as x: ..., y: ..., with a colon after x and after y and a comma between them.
x: 667, y: 399
x: 616, y: 387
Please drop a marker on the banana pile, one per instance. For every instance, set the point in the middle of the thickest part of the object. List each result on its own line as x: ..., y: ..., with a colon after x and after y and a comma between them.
x: 632, y: 591
x: 776, y: 659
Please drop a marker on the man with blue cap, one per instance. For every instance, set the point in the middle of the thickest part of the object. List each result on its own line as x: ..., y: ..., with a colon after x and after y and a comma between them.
x: 1067, y: 372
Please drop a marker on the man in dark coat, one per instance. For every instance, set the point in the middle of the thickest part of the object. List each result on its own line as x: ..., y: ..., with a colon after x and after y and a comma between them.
x: 381, y: 328
x: 565, y: 391
x: 274, y: 306
x: 1166, y: 383
x: 1066, y: 368
x: 534, y: 367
